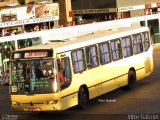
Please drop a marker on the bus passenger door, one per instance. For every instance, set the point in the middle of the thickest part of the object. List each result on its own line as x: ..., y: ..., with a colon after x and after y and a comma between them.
x: 64, y: 70
x: 65, y: 76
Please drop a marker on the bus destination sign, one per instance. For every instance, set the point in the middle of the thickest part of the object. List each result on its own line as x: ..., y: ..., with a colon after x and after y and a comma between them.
x: 36, y: 54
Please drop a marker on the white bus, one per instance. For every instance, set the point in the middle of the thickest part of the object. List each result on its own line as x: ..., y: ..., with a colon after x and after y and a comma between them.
x: 11, y: 43
x: 62, y: 74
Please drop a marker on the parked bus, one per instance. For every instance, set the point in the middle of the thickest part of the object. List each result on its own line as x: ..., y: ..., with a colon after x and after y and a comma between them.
x: 11, y: 44
x: 62, y: 74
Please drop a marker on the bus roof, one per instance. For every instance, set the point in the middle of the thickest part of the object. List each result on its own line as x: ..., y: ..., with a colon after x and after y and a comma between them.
x: 85, y: 40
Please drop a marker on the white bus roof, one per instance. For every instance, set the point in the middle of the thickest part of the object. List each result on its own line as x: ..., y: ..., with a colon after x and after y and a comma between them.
x: 88, y: 39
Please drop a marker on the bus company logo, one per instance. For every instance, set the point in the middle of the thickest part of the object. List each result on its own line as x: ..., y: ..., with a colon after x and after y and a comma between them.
x: 9, y: 117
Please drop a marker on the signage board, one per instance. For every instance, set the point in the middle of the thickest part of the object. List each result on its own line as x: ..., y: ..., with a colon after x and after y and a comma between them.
x: 29, y: 54
x: 90, y: 11
x: 46, y: 10
x: 129, y: 8
x: 35, y: 54
x: 29, y: 21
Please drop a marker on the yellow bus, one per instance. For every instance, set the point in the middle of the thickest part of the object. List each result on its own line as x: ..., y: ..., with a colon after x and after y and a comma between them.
x: 65, y: 73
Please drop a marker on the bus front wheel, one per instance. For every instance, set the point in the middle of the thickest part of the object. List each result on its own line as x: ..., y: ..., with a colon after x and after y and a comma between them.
x: 131, y: 79
x: 82, y: 98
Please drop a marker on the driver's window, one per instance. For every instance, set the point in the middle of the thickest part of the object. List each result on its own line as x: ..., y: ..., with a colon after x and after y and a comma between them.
x: 64, y: 73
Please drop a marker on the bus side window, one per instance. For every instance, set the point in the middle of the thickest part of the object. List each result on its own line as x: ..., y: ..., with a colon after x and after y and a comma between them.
x: 137, y: 43
x: 64, y: 73
x: 78, y: 61
x: 92, y: 56
x: 145, y: 40
x: 29, y: 42
x: 127, y: 46
x: 21, y: 44
x: 104, y: 51
x: 116, y: 50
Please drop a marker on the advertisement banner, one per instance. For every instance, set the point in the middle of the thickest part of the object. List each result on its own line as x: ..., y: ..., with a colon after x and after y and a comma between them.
x: 28, y: 12
x: 25, y: 13
x: 45, y: 10
x: 29, y: 21
x: 9, y: 14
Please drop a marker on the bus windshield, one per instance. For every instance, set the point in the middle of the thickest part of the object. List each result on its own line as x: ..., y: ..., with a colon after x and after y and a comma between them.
x: 33, y: 77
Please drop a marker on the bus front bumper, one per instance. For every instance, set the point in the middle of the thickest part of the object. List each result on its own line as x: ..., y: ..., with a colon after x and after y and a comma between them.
x: 43, y: 102
x: 34, y: 107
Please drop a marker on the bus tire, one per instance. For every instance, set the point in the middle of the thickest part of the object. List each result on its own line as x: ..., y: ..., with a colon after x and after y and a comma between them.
x: 82, y: 98
x: 131, y: 79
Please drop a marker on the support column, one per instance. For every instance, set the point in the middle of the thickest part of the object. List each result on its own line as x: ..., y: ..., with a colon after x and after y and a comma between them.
x: 16, y: 45
x: 159, y: 25
x: 64, y: 10
x: 146, y: 23
x: 56, y: 24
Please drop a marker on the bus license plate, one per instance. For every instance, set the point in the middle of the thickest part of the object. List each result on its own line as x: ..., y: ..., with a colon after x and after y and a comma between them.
x: 32, y: 109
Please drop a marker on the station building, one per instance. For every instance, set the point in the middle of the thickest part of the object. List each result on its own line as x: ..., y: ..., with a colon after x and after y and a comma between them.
x: 114, y: 9
x: 104, y: 10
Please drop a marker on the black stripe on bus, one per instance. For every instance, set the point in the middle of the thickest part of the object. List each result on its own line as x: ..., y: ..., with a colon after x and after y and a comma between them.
x: 101, y: 83
x: 69, y: 94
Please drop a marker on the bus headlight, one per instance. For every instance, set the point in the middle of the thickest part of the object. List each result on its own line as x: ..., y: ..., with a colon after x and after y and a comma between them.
x: 53, y: 102
x: 15, y: 103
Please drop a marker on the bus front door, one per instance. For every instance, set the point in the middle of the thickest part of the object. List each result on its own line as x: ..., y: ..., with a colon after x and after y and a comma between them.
x: 65, y: 76
x: 64, y: 70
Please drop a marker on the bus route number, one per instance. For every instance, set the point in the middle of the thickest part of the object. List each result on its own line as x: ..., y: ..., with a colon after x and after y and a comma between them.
x: 35, y: 54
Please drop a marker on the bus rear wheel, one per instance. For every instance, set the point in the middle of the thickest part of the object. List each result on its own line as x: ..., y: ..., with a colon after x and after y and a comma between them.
x: 131, y: 79
x: 82, y: 98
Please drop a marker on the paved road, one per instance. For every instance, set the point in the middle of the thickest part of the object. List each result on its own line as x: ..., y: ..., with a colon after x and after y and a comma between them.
x: 142, y: 102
